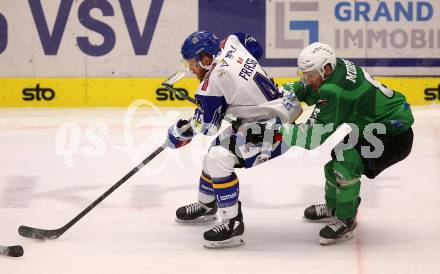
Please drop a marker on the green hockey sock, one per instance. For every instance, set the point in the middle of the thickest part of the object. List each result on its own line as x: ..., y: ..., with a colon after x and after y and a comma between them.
x: 347, y: 200
x: 330, y: 185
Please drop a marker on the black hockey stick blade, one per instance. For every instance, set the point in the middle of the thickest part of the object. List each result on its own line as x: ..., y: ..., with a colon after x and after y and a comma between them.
x: 12, y: 251
x: 39, y: 234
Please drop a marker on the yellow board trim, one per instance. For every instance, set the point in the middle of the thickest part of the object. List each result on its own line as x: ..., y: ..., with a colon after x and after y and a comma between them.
x: 121, y: 92
x: 92, y: 92
x: 226, y: 185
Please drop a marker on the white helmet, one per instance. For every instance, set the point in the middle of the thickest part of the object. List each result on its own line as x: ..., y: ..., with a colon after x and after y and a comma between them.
x: 315, y: 57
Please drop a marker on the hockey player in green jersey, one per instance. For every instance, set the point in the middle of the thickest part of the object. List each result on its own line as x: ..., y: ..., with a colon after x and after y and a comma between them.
x: 381, y: 135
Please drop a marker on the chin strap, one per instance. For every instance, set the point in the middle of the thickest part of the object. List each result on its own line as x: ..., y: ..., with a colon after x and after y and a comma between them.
x: 199, y: 61
x: 205, y: 67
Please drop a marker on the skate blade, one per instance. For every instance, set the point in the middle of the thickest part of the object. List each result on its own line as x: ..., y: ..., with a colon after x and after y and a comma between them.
x: 347, y: 236
x: 233, y: 242
x: 203, y: 219
x: 323, y: 220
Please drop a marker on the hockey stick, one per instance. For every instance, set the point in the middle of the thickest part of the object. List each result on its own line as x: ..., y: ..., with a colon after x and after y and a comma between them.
x: 181, y: 94
x: 168, y: 84
x: 174, y: 78
x: 235, y: 123
x: 43, y: 234
x: 12, y: 251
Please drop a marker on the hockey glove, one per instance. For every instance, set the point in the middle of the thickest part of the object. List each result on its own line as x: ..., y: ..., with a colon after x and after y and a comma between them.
x: 180, y: 134
x: 255, y: 132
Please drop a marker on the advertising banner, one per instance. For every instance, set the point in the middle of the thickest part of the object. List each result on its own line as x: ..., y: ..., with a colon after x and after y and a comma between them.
x: 80, y: 53
x: 120, y: 92
x: 93, y: 38
x: 387, y: 37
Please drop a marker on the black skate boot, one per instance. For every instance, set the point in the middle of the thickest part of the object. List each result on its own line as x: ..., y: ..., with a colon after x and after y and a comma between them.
x: 197, y: 213
x: 339, y: 230
x: 319, y: 212
x: 227, y: 234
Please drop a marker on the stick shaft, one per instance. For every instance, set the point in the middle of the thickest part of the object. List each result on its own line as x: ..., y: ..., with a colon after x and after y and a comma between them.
x: 183, y: 95
x: 113, y: 188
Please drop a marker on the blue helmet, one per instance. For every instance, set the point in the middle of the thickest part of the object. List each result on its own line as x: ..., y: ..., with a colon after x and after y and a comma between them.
x: 198, y: 42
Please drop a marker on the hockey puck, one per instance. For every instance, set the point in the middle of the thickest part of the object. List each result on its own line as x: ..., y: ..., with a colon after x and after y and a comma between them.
x: 15, y: 251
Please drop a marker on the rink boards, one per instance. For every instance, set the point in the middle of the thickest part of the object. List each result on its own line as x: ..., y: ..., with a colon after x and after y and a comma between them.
x: 110, y: 53
x: 121, y: 92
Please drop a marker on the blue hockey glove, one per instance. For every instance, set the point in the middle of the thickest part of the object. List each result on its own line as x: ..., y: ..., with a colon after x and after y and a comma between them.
x: 179, y: 134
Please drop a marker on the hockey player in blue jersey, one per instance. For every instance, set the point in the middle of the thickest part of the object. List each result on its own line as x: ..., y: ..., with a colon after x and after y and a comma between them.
x: 232, y: 83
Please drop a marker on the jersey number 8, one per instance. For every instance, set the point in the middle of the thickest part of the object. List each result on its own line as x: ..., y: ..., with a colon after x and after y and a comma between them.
x: 385, y: 90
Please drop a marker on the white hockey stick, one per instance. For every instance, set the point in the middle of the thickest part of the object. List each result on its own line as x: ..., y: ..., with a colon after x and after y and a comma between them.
x: 174, y: 78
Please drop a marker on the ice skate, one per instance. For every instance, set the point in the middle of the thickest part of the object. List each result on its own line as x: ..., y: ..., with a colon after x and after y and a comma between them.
x: 319, y: 212
x: 227, y: 234
x: 337, y: 231
x: 197, y: 213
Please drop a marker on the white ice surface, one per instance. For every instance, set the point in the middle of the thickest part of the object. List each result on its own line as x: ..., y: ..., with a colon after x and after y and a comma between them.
x: 133, y: 230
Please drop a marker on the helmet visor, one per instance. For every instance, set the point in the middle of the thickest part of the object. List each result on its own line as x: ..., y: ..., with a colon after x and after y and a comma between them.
x: 185, y: 64
x: 307, y: 76
x: 300, y: 73
x: 189, y: 64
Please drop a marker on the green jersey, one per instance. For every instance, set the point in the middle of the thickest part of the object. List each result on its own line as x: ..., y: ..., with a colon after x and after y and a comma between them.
x: 348, y: 95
